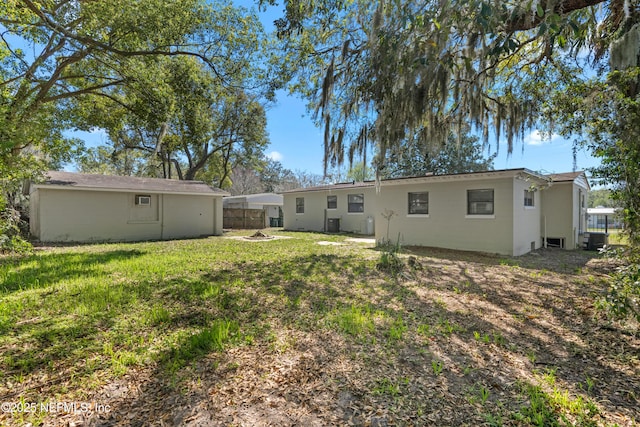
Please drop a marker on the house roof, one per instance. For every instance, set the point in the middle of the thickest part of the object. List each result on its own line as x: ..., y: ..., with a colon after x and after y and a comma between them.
x: 430, y: 178
x: 563, y: 177
x: 579, y: 178
x: 339, y: 186
x: 95, y: 182
x: 602, y: 211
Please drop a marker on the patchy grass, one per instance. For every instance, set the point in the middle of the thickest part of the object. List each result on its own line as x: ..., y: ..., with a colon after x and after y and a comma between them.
x: 224, y: 331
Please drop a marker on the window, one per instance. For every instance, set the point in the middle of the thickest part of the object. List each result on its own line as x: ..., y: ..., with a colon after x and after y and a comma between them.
x: 419, y: 203
x: 143, y: 200
x: 480, y: 202
x: 528, y: 198
x: 299, y: 205
x: 332, y: 202
x: 356, y: 203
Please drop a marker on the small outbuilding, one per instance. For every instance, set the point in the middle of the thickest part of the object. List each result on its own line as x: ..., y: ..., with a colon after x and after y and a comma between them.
x: 74, y: 207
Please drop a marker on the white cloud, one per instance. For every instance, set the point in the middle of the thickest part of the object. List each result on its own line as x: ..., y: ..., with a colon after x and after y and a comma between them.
x: 276, y: 156
x: 538, y: 138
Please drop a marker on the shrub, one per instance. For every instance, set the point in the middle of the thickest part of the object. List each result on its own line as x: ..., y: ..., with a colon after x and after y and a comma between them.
x: 623, y: 298
x: 11, y: 240
x: 389, y: 259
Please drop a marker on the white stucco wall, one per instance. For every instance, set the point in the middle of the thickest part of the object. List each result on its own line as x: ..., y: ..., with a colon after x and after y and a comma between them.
x: 580, y: 203
x: 60, y: 215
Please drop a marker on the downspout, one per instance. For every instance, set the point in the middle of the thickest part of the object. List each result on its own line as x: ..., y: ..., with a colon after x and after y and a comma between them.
x: 545, y: 231
x: 325, y: 226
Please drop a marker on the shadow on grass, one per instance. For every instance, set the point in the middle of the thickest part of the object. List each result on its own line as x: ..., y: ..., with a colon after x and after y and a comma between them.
x: 551, y: 259
x: 43, y: 270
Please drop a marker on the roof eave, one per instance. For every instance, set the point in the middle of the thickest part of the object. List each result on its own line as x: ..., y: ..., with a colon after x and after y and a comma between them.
x: 126, y: 190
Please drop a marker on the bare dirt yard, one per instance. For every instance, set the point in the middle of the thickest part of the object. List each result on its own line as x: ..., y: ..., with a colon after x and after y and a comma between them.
x: 323, y: 337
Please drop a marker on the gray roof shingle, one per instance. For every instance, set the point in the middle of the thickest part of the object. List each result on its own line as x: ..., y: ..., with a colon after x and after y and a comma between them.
x: 128, y: 183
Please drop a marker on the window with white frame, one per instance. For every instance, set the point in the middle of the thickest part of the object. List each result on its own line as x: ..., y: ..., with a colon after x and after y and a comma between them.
x: 480, y: 202
x: 529, y: 200
x: 355, y: 203
x: 142, y: 200
x: 299, y: 205
x: 332, y: 202
x: 419, y: 203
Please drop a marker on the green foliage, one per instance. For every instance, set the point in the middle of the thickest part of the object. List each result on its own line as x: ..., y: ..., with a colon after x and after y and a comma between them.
x: 390, y: 261
x: 623, y: 298
x: 180, y: 120
x: 105, y: 160
x: 484, y: 394
x: 457, y: 156
x: 549, y: 408
x: 388, y: 387
x: 359, y: 172
x: 82, y: 48
x: 11, y: 240
x: 437, y: 366
x: 355, y: 320
x: 397, y: 329
x: 601, y: 197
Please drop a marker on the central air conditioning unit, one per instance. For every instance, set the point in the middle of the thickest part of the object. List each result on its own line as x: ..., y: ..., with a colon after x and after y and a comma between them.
x: 333, y: 225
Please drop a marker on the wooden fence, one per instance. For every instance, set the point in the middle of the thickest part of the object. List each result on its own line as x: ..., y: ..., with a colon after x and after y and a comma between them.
x: 243, y: 218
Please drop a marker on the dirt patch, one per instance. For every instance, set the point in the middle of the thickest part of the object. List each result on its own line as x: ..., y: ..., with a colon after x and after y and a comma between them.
x: 326, y: 243
x: 257, y: 237
x: 363, y: 240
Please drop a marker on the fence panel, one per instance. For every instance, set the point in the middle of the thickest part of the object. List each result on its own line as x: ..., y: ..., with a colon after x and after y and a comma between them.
x: 243, y: 218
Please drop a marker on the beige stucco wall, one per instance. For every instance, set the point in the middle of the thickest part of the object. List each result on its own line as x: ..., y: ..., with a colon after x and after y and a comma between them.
x: 316, y: 212
x: 561, y: 213
x: 85, y: 216
x: 190, y: 216
x: 448, y: 225
x: 526, y: 219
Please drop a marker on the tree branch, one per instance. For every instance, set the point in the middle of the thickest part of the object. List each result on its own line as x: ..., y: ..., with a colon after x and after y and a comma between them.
x: 87, y: 41
x: 87, y: 90
x: 524, y: 22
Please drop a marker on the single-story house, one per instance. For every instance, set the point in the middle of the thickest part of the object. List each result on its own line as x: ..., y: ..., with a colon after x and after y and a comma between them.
x: 511, y: 211
x: 270, y: 203
x: 74, y: 207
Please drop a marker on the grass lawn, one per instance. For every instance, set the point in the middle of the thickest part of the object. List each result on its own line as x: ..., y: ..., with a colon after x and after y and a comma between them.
x: 305, y: 330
